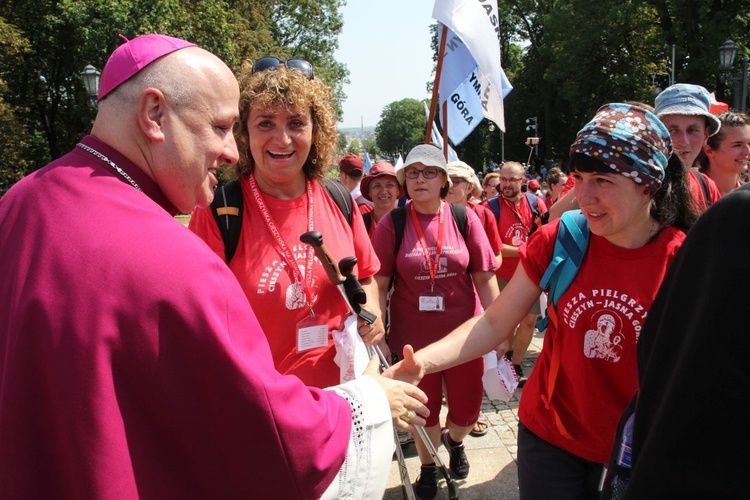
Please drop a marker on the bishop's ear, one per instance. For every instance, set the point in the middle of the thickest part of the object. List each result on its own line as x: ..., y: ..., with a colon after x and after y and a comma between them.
x: 151, y: 113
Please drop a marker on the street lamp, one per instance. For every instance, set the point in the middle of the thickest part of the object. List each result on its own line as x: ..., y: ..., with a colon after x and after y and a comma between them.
x: 91, y: 77
x: 727, y: 54
x: 491, y: 128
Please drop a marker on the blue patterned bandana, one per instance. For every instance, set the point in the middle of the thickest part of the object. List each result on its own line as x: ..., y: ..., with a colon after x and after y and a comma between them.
x: 629, y: 140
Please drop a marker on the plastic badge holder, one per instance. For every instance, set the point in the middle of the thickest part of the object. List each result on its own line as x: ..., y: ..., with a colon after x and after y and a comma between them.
x: 500, y: 379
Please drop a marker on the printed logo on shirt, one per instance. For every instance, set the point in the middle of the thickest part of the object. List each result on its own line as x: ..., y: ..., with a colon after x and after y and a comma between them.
x: 294, y: 293
x: 442, y: 270
x: 608, y: 315
x: 601, y: 343
x: 516, y: 234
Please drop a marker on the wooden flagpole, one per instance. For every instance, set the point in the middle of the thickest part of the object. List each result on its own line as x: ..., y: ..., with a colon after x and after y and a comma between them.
x: 445, y: 130
x: 436, y: 86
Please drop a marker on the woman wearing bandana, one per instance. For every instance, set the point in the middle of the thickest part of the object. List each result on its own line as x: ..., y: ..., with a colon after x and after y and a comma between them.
x: 636, y: 202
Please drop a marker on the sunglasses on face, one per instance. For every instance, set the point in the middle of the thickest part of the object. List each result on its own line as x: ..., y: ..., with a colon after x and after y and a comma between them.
x: 269, y: 62
x: 457, y: 180
x: 427, y: 173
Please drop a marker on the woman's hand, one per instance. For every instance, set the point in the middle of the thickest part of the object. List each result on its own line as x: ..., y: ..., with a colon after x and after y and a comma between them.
x: 411, y: 369
x: 371, y: 334
x: 502, y: 348
x: 407, y: 402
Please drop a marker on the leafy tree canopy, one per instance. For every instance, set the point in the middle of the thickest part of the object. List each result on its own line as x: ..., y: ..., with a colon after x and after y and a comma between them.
x: 401, y: 126
x: 45, y: 46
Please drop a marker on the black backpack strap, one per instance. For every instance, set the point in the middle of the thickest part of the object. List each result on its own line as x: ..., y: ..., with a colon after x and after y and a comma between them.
x: 398, y: 215
x: 367, y: 217
x: 227, y: 211
x: 704, y: 186
x: 459, y: 215
x: 341, y: 196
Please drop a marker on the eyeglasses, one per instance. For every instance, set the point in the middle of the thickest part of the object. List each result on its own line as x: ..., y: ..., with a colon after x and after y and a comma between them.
x: 488, y: 185
x: 510, y: 180
x: 269, y: 62
x: 427, y: 173
x: 457, y: 180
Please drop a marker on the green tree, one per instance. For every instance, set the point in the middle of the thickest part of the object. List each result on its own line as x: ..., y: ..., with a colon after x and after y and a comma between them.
x: 14, y: 163
x: 401, y: 126
x: 309, y: 29
x: 44, y: 88
x: 354, y: 147
x: 371, y: 146
x: 342, y: 143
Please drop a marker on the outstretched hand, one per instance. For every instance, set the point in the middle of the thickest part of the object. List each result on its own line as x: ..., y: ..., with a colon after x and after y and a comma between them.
x: 411, y: 369
x: 407, y: 401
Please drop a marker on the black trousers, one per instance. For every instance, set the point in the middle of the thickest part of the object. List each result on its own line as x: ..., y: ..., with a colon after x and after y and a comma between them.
x: 546, y: 472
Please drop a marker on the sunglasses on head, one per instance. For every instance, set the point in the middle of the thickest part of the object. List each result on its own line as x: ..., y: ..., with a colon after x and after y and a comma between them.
x: 269, y: 62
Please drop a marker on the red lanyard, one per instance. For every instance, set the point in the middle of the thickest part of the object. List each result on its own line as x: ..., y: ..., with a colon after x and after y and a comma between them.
x: 517, y: 210
x: 432, y: 264
x: 291, y: 263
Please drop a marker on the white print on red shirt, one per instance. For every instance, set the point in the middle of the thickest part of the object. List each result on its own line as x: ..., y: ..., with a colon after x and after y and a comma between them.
x: 600, y: 343
x: 294, y: 295
x: 606, y: 311
x: 516, y: 233
x: 442, y: 270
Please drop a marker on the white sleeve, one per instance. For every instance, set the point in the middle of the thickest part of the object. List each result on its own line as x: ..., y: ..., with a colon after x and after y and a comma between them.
x: 364, y: 473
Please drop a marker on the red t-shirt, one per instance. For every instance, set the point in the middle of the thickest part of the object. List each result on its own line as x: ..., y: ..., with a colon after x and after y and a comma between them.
x: 600, y: 316
x: 459, y: 258
x: 514, y: 226
x: 262, y: 273
x: 697, y: 190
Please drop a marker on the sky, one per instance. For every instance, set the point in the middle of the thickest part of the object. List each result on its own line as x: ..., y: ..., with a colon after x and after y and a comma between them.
x: 385, y: 44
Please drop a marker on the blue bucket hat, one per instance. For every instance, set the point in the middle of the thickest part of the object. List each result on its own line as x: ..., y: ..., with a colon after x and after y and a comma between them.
x: 687, y: 99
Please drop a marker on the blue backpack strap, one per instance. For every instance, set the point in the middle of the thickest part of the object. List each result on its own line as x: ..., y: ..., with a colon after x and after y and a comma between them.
x: 494, y: 204
x: 571, y: 244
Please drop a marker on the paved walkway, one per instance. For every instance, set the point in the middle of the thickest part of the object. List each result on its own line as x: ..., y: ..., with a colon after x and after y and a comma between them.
x: 492, y: 456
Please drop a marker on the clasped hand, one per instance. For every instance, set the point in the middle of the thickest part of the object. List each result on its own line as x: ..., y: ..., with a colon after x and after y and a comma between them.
x: 403, y: 396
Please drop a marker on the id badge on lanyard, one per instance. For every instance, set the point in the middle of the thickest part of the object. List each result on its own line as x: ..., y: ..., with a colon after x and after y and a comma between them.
x: 431, y: 301
x: 312, y: 332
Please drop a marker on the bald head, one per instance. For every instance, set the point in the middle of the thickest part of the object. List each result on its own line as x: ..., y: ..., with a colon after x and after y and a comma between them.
x: 174, y: 120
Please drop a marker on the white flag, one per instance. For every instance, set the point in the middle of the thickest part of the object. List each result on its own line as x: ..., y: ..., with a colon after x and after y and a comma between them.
x: 471, y: 71
x: 399, y: 163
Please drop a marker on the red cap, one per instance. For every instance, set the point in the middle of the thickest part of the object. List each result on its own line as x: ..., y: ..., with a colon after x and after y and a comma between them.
x: 134, y: 55
x: 534, y: 184
x: 350, y: 163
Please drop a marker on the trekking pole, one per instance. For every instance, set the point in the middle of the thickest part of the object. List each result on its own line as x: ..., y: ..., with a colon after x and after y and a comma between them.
x: 350, y: 288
